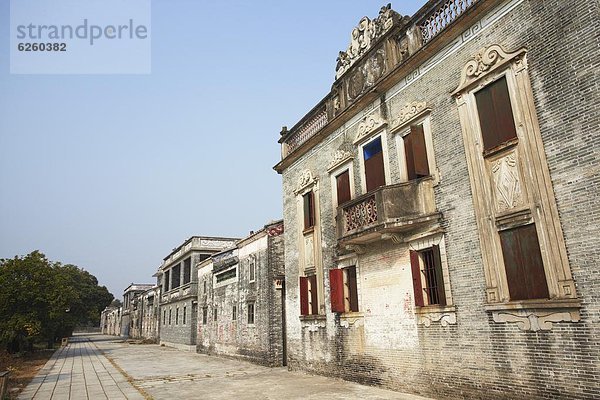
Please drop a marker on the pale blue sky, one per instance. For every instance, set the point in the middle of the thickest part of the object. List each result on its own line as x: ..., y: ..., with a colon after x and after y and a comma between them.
x: 110, y: 172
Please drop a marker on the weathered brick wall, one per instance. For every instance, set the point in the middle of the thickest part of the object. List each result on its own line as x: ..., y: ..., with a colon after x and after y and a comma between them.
x: 237, y: 338
x: 476, y: 358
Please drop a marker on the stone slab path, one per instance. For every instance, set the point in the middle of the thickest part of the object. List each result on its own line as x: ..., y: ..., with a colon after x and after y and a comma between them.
x: 99, y: 367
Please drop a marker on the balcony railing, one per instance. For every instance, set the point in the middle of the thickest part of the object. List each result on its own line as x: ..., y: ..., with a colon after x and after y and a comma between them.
x: 443, y: 16
x: 389, y: 209
x: 307, y: 129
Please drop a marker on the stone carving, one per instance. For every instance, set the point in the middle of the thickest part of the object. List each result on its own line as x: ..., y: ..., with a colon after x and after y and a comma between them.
x: 506, y: 182
x: 483, y: 62
x: 358, y: 249
x: 309, y: 251
x: 369, y: 124
x: 306, y: 178
x: 275, y: 230
x: 445, y: 319
x: 394, y: 237
x: 535, y: 320
x: 409, y: 111
x: 367, y: 74
x: 363, y: 36
x: 215, y: 244
x: 339, y: 157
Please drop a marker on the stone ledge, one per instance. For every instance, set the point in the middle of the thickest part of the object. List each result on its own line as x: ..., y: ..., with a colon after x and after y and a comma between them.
x: 445, y: 315
x: 537, y: 315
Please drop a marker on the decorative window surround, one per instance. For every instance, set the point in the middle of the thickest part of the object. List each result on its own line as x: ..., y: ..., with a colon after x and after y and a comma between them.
x: 354, y: 319
x: 445, y: 315
x: 313, y: 322
x: 414, y: 113
x: 368, y: 127
x: 309, y: 241
x: 532, y: 197
x: 340, y: 157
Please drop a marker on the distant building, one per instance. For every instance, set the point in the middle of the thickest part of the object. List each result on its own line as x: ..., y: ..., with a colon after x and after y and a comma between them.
x: 240, y: 298
x: 441, y: 205
x: 128, y: 310
x: 177, y: 278
x: 110, y: 321
x: 144, y: 315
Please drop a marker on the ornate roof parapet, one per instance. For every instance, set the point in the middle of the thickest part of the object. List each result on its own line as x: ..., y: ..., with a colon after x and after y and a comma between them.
x: 364, y: 36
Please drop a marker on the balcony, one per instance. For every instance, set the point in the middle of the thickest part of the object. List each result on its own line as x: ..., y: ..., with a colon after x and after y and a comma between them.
x: 393, y: 209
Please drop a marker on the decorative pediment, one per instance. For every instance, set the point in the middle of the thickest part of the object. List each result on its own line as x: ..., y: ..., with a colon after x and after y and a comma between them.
x: 364, y: 36
x: 409, y: 112
x: 487, y: 60
x: 369, y: 124
x: 339, y: 157
x: 527, y: 320
x: 306, y: 179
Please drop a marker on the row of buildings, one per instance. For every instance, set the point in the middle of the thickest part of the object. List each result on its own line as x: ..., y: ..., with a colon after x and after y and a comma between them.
x: 441, y: 216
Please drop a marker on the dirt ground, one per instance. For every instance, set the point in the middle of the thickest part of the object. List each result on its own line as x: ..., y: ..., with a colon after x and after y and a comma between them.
x: 22, y: 368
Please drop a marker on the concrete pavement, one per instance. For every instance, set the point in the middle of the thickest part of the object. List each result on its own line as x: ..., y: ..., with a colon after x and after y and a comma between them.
x: 98, y: 367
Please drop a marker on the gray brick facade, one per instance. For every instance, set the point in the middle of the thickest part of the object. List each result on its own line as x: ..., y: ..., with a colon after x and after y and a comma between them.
x: 474, y: 347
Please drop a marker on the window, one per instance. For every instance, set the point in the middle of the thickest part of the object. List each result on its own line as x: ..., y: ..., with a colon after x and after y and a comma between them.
x: 523, y: 249
x: 343, y: 187
x: 177, y: 316
x: 415, y: 151
x: 344, y: 293
x: 523, y: 263
x: 170, y: 311
x: 204, y: 287
x: 175, y: 276
x: 164, y: 317
x: 374, y: 169
x: 184, y: 314
x: 204, y: 315
x: 428, y: 277
x: 229, y: 274
x: 187, y: 270
x: 252, y: 271
x: 495, y: 115
x: 167, y: 276
x: 215, y: 313
x: 234, y: 313
x: 309, y: 304
x: 309, y: 209
x: 251, y: 313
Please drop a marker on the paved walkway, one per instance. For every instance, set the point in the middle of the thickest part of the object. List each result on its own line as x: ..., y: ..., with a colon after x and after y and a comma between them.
x: 100, y: 367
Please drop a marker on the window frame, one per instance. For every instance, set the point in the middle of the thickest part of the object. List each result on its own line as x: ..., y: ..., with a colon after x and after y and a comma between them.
x: 386, y: 163
x: 251, y: 305
x: 334, y: 173
x: 252, y: 269
x: 422, y: 118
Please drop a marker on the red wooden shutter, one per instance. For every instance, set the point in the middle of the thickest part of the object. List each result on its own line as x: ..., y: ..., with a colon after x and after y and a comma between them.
x: 374, y: 171
x: 523, y: 263
x: 439, y: 275
x: 416, y: 276
x: 336, y: 283
x: 352, y: 288
x: 343, y: 187
x: 495, y: 114
x: 303, y: 295
x: 313, y: 295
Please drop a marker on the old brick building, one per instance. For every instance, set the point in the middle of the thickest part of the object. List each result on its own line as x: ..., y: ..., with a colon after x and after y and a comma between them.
x: 145, y: 315
x: 129, y: 311
x: 441, y: 205
x: 177, y: 277
x: 110, y: 321
x: 240, y: 299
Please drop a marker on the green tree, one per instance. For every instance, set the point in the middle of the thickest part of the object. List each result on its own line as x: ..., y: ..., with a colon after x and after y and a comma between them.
x: 42, y: 300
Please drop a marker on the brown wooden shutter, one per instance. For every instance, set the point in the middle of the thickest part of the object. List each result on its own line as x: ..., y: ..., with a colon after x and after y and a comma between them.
x: 523, y: 263
x: 303, y: 295
x: 336, y: 284
x: 352, y: 288
x: 313, y: 295
x: 416, y: 276
x: 343, y: 187
x: 309, y: 210
x: 495, y: 114
x: 415, y: 151
x: 374, y: 171
x: 439, y: 275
